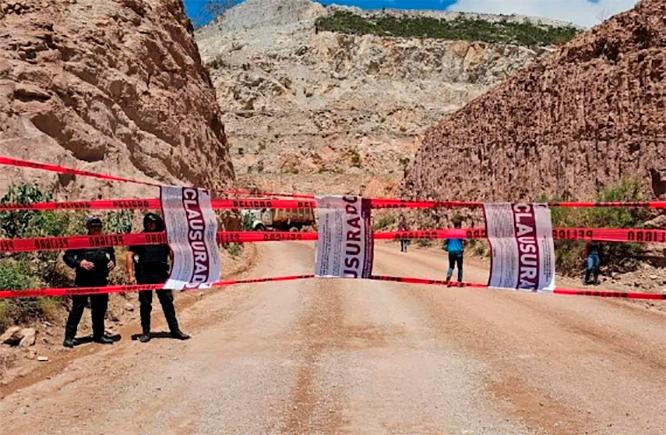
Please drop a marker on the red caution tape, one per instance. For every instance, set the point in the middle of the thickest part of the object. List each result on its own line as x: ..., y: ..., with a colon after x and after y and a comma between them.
x: 601, y: 234
x: 272, y: 203
x: 59, y: 292
x: 307, y: 200
x: 154, y: 203
x: 562, y: 291
x: 8, y: 161
x: 71, y: 291
x: 104, y: 240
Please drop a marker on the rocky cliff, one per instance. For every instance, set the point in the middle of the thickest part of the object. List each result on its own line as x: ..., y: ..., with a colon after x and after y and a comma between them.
x: 331, y: 112
x: 586, y: 116
x: 115, y: 86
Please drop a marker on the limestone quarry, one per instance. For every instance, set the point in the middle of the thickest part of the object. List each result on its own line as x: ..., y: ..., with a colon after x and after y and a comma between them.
x: 108, y: 86
x: 329, y: 112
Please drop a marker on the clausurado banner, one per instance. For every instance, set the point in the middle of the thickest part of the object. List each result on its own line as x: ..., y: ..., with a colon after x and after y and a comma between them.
x: 523, y: 251
x: 191, y: 227
x: 345, y: 245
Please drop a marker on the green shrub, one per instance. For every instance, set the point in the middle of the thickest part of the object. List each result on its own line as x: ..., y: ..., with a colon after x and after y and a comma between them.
x: 234, y: 249
x: 355, y: 158
x: 467, y: 29
x: 31, y: 223
x: 383, y: 221
x: 479, y: 247
x: 424, y: 243
x: 569, y: 254
x: 17, y: 275
x: 119, y: 221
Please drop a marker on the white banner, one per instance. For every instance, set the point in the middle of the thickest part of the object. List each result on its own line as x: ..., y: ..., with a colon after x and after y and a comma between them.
x: 521, y: 241
x: 345, y: 247
x: 191, y: 227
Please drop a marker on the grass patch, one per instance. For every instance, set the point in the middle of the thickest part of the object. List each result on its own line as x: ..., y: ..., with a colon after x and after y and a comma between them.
x: 617, y: 257
x: 17, y: 275
x: 466, y: 29
x: 234, y: 249
x: 383, y: 221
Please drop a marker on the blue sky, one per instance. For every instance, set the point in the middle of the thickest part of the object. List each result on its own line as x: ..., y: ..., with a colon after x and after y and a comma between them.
x: 582, y: 12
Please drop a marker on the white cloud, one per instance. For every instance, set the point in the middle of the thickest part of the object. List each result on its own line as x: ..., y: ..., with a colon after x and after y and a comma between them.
x: 582, y: 12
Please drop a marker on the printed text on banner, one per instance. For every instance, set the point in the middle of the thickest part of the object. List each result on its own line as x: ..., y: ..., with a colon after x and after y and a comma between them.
x: 521, y: 240
x: 191, y: 227
x: 345, y: 246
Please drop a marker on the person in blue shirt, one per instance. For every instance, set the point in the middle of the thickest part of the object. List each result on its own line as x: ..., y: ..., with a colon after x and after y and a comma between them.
x: 592, y: 262
x: 456, y: 249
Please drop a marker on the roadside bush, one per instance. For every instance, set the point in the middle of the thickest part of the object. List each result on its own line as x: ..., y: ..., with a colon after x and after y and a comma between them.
x: 17, y: 275
x: 479, y: 247
x: 424, y: 243
x: 234, y: 249
x: 384, y: 221
x: 30, y: 270
x: 31, y: 223
x: 119, y: 221
x: 616, y: 256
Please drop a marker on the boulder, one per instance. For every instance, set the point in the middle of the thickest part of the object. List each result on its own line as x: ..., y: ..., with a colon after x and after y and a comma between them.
x: 12, y: 336
x: 28, y: 337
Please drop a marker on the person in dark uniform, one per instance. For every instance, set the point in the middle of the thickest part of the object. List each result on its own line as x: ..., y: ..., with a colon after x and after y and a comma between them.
x: 149, y: 264
x: 404, y: 243
x: 92, y: 268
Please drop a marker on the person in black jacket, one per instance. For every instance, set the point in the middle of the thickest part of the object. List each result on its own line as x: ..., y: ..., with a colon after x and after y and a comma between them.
x: 149, y: 264
x: 92, y: 270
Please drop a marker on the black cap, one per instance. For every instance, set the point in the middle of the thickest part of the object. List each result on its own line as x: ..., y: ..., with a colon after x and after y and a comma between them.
x: 154, y: 218
x: 93, y: 221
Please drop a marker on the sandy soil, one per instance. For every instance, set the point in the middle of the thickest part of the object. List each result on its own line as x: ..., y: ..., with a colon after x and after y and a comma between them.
x: 345, y: 356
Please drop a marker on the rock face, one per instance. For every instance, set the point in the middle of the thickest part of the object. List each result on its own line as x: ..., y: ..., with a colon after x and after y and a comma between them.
x: 114, y: 86
x: 334, y: 113
x: 586, y: 116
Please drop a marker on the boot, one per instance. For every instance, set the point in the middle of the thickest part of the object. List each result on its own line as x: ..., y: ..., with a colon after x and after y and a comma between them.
x: 69, y: 342
x: 178, y: 334
x: 145, y: 336
x: 145, y: 322
x: 103, y: 339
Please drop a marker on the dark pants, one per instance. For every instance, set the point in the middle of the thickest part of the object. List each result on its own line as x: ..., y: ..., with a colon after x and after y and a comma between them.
x: 593, y: 264
x: 455, y: 259
x: 166, y: 300
x: 156, y: 274
x: 403, y: 245
x: 98, y: 305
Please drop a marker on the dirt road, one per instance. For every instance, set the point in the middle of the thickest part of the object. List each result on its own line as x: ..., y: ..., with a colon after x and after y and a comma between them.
x: 368, y: 357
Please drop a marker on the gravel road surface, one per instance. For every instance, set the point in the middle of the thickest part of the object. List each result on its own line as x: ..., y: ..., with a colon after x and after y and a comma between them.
x: 346, y: 356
